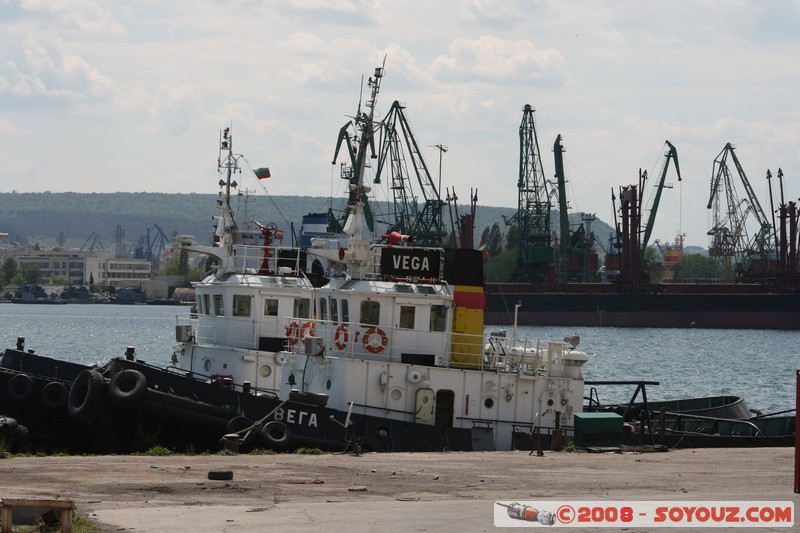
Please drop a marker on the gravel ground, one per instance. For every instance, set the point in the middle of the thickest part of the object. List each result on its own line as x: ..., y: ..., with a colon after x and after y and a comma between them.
x: 380, y: 492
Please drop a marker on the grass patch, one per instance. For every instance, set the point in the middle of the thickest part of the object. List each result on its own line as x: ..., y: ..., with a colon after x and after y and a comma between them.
x: 156, y: 451
x: 262, y: 451
x: 308, y: 451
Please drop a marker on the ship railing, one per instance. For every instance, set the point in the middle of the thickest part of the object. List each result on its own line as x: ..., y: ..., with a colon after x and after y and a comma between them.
x: 678, y: 423
x: 253, y: 259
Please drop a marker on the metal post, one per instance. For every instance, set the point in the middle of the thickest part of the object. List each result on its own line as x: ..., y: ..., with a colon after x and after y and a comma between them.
x: 516, y: 313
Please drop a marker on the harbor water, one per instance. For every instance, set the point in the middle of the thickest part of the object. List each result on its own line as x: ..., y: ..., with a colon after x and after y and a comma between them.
x: 758, y: 365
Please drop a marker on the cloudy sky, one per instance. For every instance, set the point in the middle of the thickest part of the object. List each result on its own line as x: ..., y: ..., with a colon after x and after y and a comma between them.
x: 102, y: 96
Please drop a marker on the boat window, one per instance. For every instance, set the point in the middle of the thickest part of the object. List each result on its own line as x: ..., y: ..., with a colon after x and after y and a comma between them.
x: 302, y: 307
x: 370, y: 312
x: 334, y: 311
x: 323, y: 309
x: 270, y: 307
x: 402, y: 287
x: 219, y: 307
x: 438, y: 317
x: 345, y: 312
x: 241, y: 305
x: 407, y: 317
x: 426, y: 289
x: 350, y: 284
x: 206, y: 304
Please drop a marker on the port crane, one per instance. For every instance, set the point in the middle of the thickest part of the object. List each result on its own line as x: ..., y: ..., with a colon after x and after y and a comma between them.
x: 730, y: 243
x: 632, y: 237
x: 535, y: 251
x: 400, y: 156
x: 151, y: 246
x: 577, y: 257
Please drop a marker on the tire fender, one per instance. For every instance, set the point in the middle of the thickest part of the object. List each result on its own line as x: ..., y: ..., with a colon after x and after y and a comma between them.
x: 86, y: 396
x: 127, y: 386
x: 20, y: 388
x: 54, y: 395
x: 276, y: 435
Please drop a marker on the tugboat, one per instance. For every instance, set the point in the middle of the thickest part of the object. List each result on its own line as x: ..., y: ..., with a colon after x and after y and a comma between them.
x: 389, y: 356
x: 396, y: 343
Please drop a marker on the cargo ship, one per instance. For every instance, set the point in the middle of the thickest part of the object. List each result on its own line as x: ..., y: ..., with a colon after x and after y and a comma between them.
x: 725, y: 306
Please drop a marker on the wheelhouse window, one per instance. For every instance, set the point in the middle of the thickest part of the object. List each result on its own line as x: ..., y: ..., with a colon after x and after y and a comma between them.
x: 323, y: 309
x: 406, y: 317
x: 203, y: 306
x: 270, y: 307
x: 241, y: 305
x: 334, y: 311
x: 219, y: 305
x: 438, y: 318
x: 345, y: 311
x: 302, y: 308
x: 370, y: 312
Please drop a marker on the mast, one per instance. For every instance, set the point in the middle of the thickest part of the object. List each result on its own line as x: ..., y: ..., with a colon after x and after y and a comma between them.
x: 356, y: 256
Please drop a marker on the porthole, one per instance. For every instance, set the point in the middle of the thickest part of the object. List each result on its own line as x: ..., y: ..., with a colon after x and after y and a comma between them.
x: 382, y: 431
x: 208, y: 364
x: 328, y: 384
x: 265, y: 371
x: 550, y: 402
x: 488, y: 402
x: 396, y: 394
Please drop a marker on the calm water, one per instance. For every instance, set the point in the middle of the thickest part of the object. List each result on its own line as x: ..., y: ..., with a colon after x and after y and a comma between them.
x: 757, y: 365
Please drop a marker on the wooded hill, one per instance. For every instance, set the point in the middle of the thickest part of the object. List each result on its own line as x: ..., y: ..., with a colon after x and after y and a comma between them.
x: 85, y: 219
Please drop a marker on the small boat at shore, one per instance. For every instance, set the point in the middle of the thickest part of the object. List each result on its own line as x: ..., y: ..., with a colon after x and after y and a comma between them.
x: 703, y: 422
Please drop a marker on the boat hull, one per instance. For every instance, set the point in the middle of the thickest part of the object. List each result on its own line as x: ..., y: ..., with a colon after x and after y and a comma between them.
x: 717, y: 311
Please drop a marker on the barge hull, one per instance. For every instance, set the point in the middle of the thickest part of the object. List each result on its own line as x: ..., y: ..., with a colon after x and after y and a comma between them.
x: 718, y: 311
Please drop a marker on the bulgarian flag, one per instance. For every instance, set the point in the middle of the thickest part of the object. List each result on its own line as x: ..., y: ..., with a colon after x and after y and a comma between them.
x: 262, y: 173
x: 484, y: 251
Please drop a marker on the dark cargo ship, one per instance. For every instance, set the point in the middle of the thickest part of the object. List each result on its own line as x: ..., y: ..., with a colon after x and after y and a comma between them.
x: 595, y: 305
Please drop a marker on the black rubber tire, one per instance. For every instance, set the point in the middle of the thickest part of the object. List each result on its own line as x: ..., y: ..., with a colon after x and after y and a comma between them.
x: 277, y: 436
x: 220, y: 475
x: 127, y: 386
x: 54, y: 395
x: 20, y: 388
x: 237, y: 424
x: 86, y: 396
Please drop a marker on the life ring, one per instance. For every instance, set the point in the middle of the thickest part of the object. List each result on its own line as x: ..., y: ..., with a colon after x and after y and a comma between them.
x: 308, y: 330
x: 54, y: 395
x: 20, y: 388
x: 86, y: 396
x: 293, y: 333
x: 341, y: 338
x: 372, y: 347
x: 127, y: 386
x: 276, y: 435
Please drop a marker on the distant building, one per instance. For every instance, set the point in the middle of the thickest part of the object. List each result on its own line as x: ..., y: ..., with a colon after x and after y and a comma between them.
x: 85, y: 267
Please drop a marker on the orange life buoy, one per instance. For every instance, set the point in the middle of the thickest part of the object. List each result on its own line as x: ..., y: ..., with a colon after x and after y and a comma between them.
x: 372, y: 347
x: 307, y: 330
x: 341, y: 337
x: 293, y: 332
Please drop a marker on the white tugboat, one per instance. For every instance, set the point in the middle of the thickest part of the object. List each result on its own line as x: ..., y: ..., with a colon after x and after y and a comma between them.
x: 392, y: 355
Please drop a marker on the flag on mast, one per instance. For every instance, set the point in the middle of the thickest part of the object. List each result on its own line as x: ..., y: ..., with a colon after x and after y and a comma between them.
x: 262, y: 173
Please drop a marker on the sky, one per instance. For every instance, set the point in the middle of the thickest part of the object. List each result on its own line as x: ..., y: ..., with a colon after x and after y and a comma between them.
x: 106, y: 96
